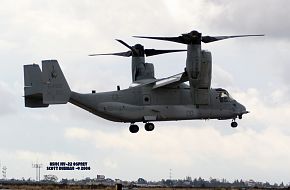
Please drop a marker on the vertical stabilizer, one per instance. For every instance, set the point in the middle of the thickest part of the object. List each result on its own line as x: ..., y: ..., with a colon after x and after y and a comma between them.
x: 55, y: 88
x: 32, y: 79
x: 33, y: 84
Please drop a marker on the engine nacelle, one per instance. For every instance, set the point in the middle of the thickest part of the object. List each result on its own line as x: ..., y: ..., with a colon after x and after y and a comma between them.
x: 141, y: 70
x: 205, y: 70
x: 144, y: 71
x: 202, y: 89
x: 199, y: 68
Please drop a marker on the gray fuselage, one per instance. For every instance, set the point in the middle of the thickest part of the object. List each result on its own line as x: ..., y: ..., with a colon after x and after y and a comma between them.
x: 143, y: 104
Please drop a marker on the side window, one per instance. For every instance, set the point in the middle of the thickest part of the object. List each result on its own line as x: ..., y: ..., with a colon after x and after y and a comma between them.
x: 146, y: 99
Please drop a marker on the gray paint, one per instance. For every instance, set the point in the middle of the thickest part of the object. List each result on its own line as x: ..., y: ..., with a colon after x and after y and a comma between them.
x: 166, y: 104
x: 142, y: 103
x: 141, y: 70
x: 149, y: 99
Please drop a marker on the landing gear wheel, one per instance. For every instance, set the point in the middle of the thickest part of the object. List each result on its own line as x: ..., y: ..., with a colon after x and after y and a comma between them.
x: 133, y: 128
x: 234, y: 124
x: 149, y: 126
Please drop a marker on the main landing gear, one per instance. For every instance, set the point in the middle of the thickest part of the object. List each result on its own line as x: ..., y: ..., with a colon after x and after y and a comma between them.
x: 149, y: 126
x: 134, y: 128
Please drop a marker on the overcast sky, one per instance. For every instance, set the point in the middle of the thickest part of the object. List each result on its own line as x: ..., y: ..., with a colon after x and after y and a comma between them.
x: 254, y: 70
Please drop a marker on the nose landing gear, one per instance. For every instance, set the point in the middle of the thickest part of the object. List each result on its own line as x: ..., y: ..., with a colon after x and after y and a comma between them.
x: 234, y: 124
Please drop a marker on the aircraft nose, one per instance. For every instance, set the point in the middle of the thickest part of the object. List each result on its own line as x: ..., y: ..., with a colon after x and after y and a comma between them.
x: 241, y: 109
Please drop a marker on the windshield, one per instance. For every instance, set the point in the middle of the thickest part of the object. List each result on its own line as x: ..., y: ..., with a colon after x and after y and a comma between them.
x: 224, y: 96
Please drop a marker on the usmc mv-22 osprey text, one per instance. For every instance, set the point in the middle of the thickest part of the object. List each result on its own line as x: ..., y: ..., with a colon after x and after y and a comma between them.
x: 148, y: 99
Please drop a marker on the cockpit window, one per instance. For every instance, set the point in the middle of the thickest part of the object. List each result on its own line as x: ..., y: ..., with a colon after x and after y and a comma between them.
x: 224, y: 96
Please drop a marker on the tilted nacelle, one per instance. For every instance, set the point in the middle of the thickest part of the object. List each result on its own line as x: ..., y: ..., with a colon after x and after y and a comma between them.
x: 199, y: 70
x: 198, y: 62
x: 205, y: 70
x: 141, y: 70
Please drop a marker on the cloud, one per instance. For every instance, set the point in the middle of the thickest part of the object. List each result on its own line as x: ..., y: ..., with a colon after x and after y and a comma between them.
x: 221, y: 77
x: 189, y: 148
x: 7, y: 99
x: 261, y: 17
x: 261, y: 139
x: 109, y: 163
x: 18, y: 162
x: 267, y: 110
x: 44, y: 157
x: 69, y: 30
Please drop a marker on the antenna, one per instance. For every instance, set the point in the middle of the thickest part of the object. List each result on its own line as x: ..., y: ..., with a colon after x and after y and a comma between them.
x: 37, y: 168
x: 4, y: 172
x: 170, y: 174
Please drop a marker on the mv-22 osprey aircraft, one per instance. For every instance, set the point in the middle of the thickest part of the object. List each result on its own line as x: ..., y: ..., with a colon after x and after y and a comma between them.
x: 147, y: 99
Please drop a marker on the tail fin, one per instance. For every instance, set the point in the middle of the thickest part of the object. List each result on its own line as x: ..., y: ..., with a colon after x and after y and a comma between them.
x: 55, y: 89
x: 33, y: 85
x: 46, y: 87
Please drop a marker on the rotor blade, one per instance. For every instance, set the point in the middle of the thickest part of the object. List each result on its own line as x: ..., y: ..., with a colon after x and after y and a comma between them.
x: 151, y: 52
x: 130, y: 47
x: 193, y: 37
x: 208, y: 39
x: 124, y: 54
x: 178, y: 39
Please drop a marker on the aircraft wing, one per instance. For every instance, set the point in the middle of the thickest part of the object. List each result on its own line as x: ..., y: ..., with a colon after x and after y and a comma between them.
x: 164, y: 82
x: 171, y: 81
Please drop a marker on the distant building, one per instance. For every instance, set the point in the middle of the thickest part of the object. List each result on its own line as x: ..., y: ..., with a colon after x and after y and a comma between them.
x: 141, y: 181
x: 118, y: 181
x: 101, y: 177
x: 251, y: 183
x: 188, y: 178
x: 50, y: 178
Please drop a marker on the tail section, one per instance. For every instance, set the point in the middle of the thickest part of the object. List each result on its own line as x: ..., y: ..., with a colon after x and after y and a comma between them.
x: 55, y: 89
x: 33, y: 85
x: 46, y: 87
